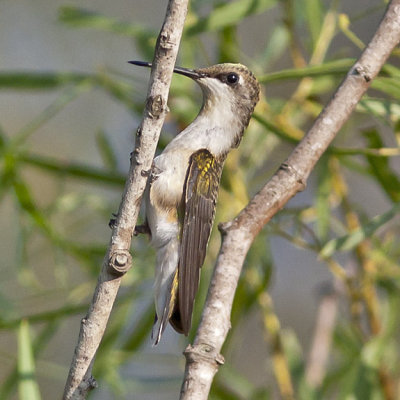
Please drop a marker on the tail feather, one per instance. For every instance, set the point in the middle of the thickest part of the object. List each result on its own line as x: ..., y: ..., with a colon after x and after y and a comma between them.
x: 166, y: 287
x: 160, y: 325
x: 157, y: 331
x: 175, y: 320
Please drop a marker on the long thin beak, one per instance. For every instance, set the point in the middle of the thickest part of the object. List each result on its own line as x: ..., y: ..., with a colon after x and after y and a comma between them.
x: 179, y: 70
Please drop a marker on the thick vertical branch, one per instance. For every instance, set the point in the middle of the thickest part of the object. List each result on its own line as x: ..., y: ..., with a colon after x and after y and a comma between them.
x: 118, y: 259
x: 203, y: 358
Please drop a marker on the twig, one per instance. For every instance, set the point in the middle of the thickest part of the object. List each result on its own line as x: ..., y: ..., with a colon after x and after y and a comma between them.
x: 369, y: 295
x: 273, y: 335
x: 203, y: 358
x: 322, y: 338
x: 118, y: 259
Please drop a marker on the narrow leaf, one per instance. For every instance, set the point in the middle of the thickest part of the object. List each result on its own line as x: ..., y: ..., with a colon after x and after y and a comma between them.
x: 390, y: 86
x: 276, y: 45
x: 27, y: 203
x: 337, y: 67
x: 381, y: 169
x: 106, y: 150
x: 229, y: 13
x: 348, y: 242
x: 29, y: 80
x: 322, y: 200
x: 74, y: 170
x: 313, y: 11
x: 80, y: 17
x: 145, y: 38
x: 383, y: 108
x: 27, y: 387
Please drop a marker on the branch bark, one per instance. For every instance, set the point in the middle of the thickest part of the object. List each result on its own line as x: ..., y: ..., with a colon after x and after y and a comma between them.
x: 118, y: 259
x: 203, y: 357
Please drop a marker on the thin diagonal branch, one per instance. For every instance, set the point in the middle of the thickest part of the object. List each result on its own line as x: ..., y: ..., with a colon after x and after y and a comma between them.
x: 118, y: 259
x: 203, y: 358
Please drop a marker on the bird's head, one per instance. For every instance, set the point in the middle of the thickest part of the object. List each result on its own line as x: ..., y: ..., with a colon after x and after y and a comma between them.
x: 231, y: 86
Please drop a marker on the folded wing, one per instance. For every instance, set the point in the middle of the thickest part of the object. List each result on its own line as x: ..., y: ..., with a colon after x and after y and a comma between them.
x: 200, y: 197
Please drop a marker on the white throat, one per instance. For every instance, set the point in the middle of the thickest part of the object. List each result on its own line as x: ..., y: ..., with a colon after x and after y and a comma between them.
x: 217, y: 126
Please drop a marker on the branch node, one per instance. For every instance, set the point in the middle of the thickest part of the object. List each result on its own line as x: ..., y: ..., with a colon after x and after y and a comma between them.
x: 203, y: 352
x: 223, y: 227
x: 145, y: 173
x: 155, y: 106
x: 165, y: 42
x: 219, y: 359
x: 119, y: 262
x: 289, y: 169
x: 362, y: 71
x: 135, y: 157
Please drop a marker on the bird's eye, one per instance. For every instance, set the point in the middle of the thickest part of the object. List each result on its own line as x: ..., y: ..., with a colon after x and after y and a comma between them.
x: 232, y: 78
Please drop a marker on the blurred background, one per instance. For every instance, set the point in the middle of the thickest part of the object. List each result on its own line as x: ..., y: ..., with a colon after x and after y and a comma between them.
x: 322, y: 278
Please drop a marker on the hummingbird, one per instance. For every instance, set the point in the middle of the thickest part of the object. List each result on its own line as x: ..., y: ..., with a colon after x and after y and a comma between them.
x: 183, y: 183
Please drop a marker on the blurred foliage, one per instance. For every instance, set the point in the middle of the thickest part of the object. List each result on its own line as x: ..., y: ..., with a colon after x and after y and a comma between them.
x: 316, y: 43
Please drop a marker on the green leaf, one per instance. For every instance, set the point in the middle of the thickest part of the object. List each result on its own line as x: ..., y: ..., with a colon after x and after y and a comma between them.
x: 28, y: 388
x: 78, y: 171
x: 145, y: 38
x: 27, y: 203
x: 106, y: 150
x: 29, y: 80
x: 337, y: 67
x: 313, y: 10
x: 39, y: 344
x: 141, y: 332
x: 348, y: 242
x: 349, y: 381
x: 275, y: 47
x: 373, y: 352
x: 391, y: 70
x: 228, y: 45
x: 46, y: 316
x: 383, y: 108
x: 322, y: 206
x: 381, y: 169
x: 79, y: 17
x: 390, y: 86
x: 227, y: 14
x: 280, y: 133
x: 68, y: 95
x: 233, y: 382
x: 379, y: 350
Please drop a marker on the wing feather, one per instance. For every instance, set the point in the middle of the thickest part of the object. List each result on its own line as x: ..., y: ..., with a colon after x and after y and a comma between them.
x: 200, y: 197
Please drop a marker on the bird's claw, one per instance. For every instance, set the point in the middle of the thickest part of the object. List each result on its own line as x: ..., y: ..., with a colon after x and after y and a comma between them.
x: 142, y: 229
x: 112, y: 221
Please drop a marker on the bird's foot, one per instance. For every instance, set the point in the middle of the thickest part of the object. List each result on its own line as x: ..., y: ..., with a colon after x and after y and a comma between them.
x: 142, y: 229
x: 112, y: 221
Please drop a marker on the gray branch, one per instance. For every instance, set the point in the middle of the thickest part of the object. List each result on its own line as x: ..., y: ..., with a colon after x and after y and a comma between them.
x: 203, y: 358
x: 321, y: 343
x: 118, y: 259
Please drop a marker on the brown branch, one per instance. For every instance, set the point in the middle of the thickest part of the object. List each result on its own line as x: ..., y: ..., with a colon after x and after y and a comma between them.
x: 322, y: 339
x: 203, y: 358
x: 118, y: 259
